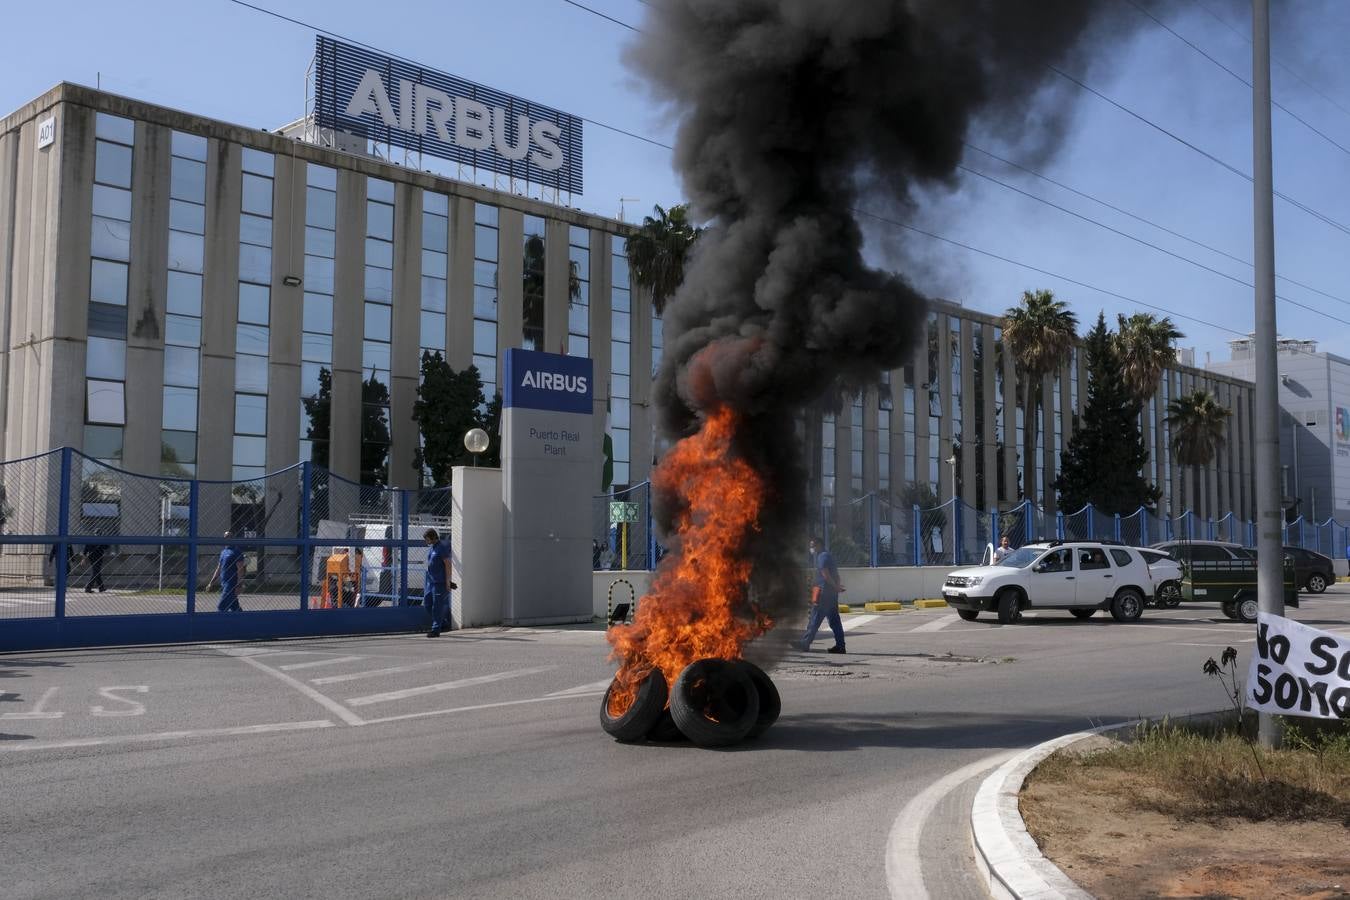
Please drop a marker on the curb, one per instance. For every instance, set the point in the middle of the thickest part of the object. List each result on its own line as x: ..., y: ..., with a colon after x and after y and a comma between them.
x: 930, y: 604
x: 1011, y: 865
x: 883, y: 606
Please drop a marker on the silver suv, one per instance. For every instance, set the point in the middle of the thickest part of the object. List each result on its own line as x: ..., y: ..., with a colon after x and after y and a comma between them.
x: 1079, y: 576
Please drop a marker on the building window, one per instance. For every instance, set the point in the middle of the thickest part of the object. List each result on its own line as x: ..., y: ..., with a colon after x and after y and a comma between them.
x: 316, y: 338
x: 377, y: 333
x: 252, y: 333
x: 827, y: 467
x: 578, y: 291
x: 183, y: 312
x: 1000, y: 439
x: 957, y: 354
x: 620, y: 362
x: 485, y: 257
x: 435, y: 270
x: 532, y: 286
x: 855, y: 448
x: 908, y: 426
x: 976, y: 444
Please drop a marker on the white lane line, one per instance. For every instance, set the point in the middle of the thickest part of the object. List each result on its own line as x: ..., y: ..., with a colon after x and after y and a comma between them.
x: 327, y: 703
x: 592, y: 688
x: 445, y: 686
x: 854, y: 621
x: 320, y: 662
x: 936, y: 625
x: 38, y: 711
x: 17, y: 746
x: 903, y: 871
x: 373, y: 673
x: 459, y: 709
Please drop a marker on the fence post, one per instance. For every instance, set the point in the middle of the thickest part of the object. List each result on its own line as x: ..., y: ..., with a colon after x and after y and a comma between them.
x: 194, y: 510
x: 1211, y: 528
x: 1118, y: 526
x: 1092, y: 522
x: 872, y: 525
x: 993, y: 527
x: 63, y: 534
x: 1059, y: 525
x: 306, y: 499
x: 403, y: 556
x: 918, y: 536
x: 957, y: 531
x: 1303, y: 531
x: 1143, y: 527
x: 651, y: 533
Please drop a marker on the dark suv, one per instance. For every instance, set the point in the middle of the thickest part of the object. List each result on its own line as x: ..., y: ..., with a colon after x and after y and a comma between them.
x: 1314, y: 571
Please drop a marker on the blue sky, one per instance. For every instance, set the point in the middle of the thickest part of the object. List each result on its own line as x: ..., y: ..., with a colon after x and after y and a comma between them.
x: 215, y: 58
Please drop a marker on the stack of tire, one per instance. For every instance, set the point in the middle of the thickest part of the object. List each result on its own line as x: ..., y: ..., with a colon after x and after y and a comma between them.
x: 714, y: 703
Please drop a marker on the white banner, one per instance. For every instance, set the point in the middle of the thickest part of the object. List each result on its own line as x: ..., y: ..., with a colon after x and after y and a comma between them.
x: 1298, y: 671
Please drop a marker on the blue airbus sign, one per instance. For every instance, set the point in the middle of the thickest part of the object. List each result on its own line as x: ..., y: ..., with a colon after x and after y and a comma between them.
x: 393, y: 101
x: 547, y: 381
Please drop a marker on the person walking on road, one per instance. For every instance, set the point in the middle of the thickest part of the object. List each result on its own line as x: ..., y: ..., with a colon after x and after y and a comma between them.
x: 824, y: 599
x: 1004, y: 548
x: 94, y: 554
x: 230, y: 570
x: 438, y: 583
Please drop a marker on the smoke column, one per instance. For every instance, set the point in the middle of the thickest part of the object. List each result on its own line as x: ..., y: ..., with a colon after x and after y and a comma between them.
x: 792, y: 113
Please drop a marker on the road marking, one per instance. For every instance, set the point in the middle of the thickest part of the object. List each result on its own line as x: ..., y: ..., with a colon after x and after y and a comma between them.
x: 936, y: 625
x: 372, y: 673
x: 854, y: 621
x: 17, y: 746
x: 136, y: 708
x: 38, y: 712
x: 903, y: 871
x: 445, y: 686
x: 327, y: 703
x: 592, y: 688
x: 289, y: 667
x: 458, y: 709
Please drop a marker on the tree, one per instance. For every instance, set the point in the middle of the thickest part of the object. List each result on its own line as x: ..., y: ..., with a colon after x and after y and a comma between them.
x: 1198, y: 422
x: 374, y: 431
x: 657, y: 252
x: 1040, y: 334
x: 1143, y: 344
x: 319, y: 411
x: 448, y: 404
x: 1106, y: 455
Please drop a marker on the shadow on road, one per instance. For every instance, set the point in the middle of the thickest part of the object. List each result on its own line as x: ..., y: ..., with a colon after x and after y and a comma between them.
x: 13, y: 668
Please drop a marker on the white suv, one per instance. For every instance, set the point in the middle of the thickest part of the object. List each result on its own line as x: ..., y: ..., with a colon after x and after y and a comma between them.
x: 1079, y: 576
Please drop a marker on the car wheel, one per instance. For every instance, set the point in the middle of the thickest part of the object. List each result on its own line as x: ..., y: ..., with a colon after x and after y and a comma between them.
x: 635, y: 722
x: 1009, y: 611
x: 714, y: 703
x: 1083, y: 613
x: 1127, y: 606
x: 1230, y: 610
x: 1247, y: 608
x: 1317, y: 582
x: 1169, y: 595
x: 968, y: 615
x: 770, y: 703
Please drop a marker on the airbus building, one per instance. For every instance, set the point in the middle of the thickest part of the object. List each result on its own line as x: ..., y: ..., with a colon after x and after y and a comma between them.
x: 175, y: 287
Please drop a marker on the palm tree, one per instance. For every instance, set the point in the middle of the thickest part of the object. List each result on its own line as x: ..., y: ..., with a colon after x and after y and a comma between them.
x: 1198, y: 422
x: 1040, y: 334
x: 1144, y: 346
x: 658, y: 251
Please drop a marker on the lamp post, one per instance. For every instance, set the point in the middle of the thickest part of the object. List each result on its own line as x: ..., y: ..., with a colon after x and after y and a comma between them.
x: 475, y: 441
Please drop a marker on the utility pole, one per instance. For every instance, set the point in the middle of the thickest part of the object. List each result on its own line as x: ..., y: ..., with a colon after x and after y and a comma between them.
x: 1270, y: 553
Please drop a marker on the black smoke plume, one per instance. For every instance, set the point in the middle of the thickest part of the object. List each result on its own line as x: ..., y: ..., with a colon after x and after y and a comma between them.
x: 792, y: 115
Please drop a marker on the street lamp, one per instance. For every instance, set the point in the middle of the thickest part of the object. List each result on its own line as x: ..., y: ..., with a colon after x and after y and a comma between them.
x: 475, y: 441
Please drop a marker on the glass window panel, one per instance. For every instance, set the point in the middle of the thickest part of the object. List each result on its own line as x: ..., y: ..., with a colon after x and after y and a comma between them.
x: 487, y: 370
x: 485, y: 338
x: 255, y: 264
x: 578, y: 345
x: 316, y: 347
x: 380, y: 221
x: 581, y: 261
x: 485, y: 274
x: 619, y: 413
x: 533, y: 225
x: 319, y: 274
x: 187, y: 180
x: 105, y: 402
x: 250, y: 414
x: 376, y: 189
x: 619, y: 354
x: 620, y: 275
x: 106, y: 320
x: 185, y: 216
x: 186, y: 251
x: 249, y: 451
x: 320, y: 242
x: 583, y: 294
x: 620, y: 301
x: 178, y: 446
x: 257, y: 198
x: 254, y: 303
x: 181, y: 366
x: 110, y: 239
x: 484, y: 302
x: 258, y: 162
x: 485, y: 214
x: 255, y: 230
x: 433, y: 330
x: 620, y: 386
x: 435, y: 265
x: 185, y: 294
x: 108, y: 282
x: 485, y: 243
x: 112, y: 164
x: 105, y: 358
x: 320, y: 177
x: 578, y: 236
x: 433, y: 294
x: 435, y: 203
x: 247, y: 473
x: 309, y: 385
x: 112, y: 203
x: 377, y: 322
x: 318, y: 313
x: 102, y: 442
x: 435, y: 232
x: 379, y: 253
x: 115, y: 128
x: 374, y: 355
x: 250, y: 374
x: 379, y: 284
x: 620, y: 440
x: 621, y: 326
x: 579, y: 319
x: 189, y: 146
x: 183, y: 331
x: 658, y: 339
x: 321, y: 208
x: 251, y: 339
x: 620, y: 472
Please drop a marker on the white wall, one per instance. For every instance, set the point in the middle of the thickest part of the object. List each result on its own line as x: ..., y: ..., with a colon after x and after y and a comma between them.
x: 476, y: 546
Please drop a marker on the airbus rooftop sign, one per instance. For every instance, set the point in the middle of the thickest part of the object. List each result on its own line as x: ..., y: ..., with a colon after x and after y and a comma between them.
x: 547, y: 381
x: 392, y: 101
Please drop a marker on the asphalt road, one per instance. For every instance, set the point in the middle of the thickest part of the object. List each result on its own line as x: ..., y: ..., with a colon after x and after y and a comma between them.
x: 474, y: 765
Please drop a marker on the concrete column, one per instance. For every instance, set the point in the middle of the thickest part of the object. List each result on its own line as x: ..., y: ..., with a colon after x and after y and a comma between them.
x: 459, y: 309
x: 988, y: 435
x: 510, y: 286
x: 285, y: 321
x: 1046, y: 447
x: 9, y: 164
x: 945, y: 488
x: 220, y: 311
x: 646, y: 444
x: 843, y: 469
x: 871, y: 450
x: 557, y: 299
x: 476, y: 543
x: 348, y: 325
x: 602, y: 280
x: 406, y: 358
x: 970, y: 433
x: 1011, y: 445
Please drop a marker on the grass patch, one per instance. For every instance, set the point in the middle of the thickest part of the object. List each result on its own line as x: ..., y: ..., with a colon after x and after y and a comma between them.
x: 1211, y: 771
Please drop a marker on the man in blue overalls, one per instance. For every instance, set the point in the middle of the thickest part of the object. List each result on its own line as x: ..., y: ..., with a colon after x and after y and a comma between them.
x: 231, y: 572
x: 438, y: 584
x: 824, y: 599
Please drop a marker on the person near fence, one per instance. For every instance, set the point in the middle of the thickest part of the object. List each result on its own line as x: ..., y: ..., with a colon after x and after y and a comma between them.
x: 94, y: 554
x: 230, y: 570
x: 438, y: 584
x: 1003, y: 549
x: 824, y: 599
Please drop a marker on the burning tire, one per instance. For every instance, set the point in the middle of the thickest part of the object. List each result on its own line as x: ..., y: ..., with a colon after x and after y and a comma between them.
x: 635, y: 722
x: 715, y: 703
x: 770, y: 704
x: 665, y: 731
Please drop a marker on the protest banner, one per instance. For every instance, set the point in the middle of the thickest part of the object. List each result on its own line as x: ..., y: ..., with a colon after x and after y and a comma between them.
x: 1298, y: 670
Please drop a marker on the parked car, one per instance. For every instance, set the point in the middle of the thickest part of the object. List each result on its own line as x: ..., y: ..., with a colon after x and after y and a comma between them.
x: 1165, y: 573
x: 1313, y: 571
x: 1079, y: 576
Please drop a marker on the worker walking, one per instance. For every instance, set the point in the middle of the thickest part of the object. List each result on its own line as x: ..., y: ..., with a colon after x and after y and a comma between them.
x: 230, y: 570
x: 438, y: 583
x: 824, y: 599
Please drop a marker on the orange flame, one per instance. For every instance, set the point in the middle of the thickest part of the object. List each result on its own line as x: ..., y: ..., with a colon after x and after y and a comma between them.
x: 698, y: 607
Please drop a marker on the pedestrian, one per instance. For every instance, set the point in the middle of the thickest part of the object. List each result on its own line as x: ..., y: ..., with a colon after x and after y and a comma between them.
x: 438, y: 584
x: 824, y: 599
x: 230, y: 570
x: 1004, y: 548
x: 93, y: 554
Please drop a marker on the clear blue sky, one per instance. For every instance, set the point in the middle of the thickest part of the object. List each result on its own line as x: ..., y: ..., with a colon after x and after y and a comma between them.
x: 218, y: 59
